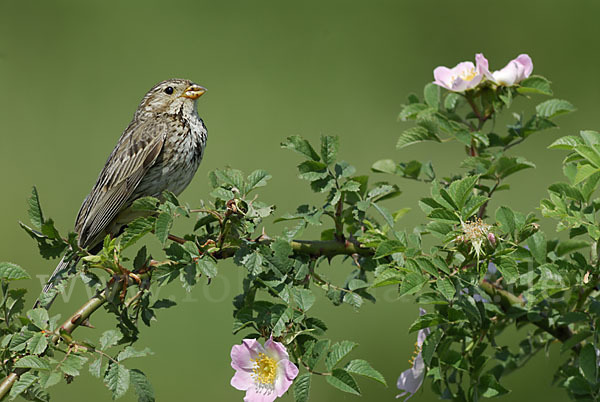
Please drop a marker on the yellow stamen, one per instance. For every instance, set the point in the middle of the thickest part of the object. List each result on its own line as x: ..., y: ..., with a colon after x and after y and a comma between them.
x: 265, y: 369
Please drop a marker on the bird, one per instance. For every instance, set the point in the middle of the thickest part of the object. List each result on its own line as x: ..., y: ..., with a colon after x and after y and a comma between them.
x: 161, y: 149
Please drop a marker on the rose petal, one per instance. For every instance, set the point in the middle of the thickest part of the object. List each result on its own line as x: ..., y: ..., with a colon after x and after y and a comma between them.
x: 275, y: 350
x: 242, y: 355
x: 508, y: 75
x: 242, y: 380
x: 254, y: 395
x: 411, y: 380
x: 442, y: 76
x: 286, y: 372
x: 527, y: 64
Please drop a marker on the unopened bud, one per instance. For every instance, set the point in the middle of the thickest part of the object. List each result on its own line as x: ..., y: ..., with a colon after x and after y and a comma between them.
x: 492, y: 239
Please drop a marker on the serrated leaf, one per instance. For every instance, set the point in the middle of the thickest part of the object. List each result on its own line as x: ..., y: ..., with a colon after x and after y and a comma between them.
x: 35, y: 210
x: 314, y: 352
x: 431, y: 94
x: 430, y: 345
x: 535, y: 84
x: 37, y: 344
x: 301, y: 387
x: 591, y: 154
x: 446, y: 288
x: 256, y: 179
x: 384, y: 166
x: 388, y: 247
x: 207, y: 266
x: 32, y: 362
x: 110, y: 338
x: 253, y: 262
x: 162, y: 227
x: 588, y: 363
x: 136, y: 230
x: 362, y: 367
x: 337, y: 352
x: 72, y: 364
x: 568, y: 142
x: 117, y: 379
x: 553, y: 107
x: 460, y: 190
x: 145, y: 204
x: 304, y: 298
x: 21, y: 385
x: 329, y: 148
x: 12, y: 272
x: 130, y: 352
x: 412, y: 283
x: 141, y: 385
x: 343, y: 381
x: 506, y: 217
x: 414, y: 135
x: 96, y: 367
x: 537, y: 247
x: 489, y: 387
x: 300, y: 145
x: 49, y: 378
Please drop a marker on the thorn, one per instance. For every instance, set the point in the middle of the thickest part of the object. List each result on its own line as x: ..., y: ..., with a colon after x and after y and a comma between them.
x: 87, y: 323
x: 75, y: 318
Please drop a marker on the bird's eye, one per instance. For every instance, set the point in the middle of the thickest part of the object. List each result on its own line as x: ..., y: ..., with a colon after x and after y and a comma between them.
x: 169, y: 90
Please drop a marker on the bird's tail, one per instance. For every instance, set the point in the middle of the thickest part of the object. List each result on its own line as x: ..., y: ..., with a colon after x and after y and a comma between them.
x: 65, y: 264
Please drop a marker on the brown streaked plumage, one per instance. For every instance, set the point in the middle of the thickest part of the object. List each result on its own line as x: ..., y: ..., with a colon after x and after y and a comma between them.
x: 161, y: 149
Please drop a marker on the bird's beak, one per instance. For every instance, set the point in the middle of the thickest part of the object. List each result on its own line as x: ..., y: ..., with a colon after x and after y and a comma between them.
x: 193, y: 91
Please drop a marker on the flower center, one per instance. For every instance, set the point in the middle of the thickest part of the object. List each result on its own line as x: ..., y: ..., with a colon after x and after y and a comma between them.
x: 465, y: 75
x: 265, y: 369
x: 416, y: 352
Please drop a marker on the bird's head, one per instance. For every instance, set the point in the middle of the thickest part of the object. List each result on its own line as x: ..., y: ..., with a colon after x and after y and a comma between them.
x: 170, y: 96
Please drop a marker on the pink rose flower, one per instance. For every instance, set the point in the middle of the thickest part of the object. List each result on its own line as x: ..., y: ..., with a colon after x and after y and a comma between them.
x: 514, y: 72
x: 463, y: 76
x: 265, y: 373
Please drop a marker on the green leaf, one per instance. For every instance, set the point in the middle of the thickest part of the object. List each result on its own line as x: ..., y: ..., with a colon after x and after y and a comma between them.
x: 414, y: 135
x: 129, y: 352
x: 343, y: 381
x: 207, y: 266
x: 431, y: 94
x: 362, y: 367
x: 588, y: 363
x: 35, y: 210
x: 584, y: 171
x: 388, y: 247
x: 145, y: 204
x: 568, y: 142
x: 162, y: 226
x: 425, y: 321
x: 553, y: 107
x: 49, y: 378
x: 446, y: 288
x: 256, y: 179
x: 443, y: 215
x: 568, y: 246
x: 37, y: 344
x: 300, y: 145
x: 304, y: 298
x: 141, y: 385
x: 412, y: 283
x: 12, y: 272
x: 506, y: 218
x: 314, y: 352
x: 24, y: 382
x: 537, y: 247
x: 337, y: 352
x: 430, y: 345
x: 460, y: 190
x: 253, y: 262
x: 110, y: 338
x: 96, y: 367
x: 117, y: 379
x: 412, y: 110
x: 136, y: 230
x: 535, y: 84
x: 302, y: 387
x: 32, y: 362
x: 72, y: 364
x: 384, y: 166
x: 489, y: 387
x: 329, y: 148
x: 591, y: 154
x: 508, y: 268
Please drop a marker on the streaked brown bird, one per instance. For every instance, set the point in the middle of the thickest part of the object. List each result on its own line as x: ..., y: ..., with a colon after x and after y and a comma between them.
x: 160, y: 150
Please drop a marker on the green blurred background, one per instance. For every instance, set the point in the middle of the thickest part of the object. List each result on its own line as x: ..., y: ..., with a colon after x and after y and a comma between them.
x: 72, y: 74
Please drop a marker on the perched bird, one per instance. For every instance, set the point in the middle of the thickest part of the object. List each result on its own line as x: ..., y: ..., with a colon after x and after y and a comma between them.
x: 160, y: 150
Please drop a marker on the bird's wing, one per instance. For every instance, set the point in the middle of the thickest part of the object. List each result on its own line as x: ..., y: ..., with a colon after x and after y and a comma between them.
x: 136, y: 151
